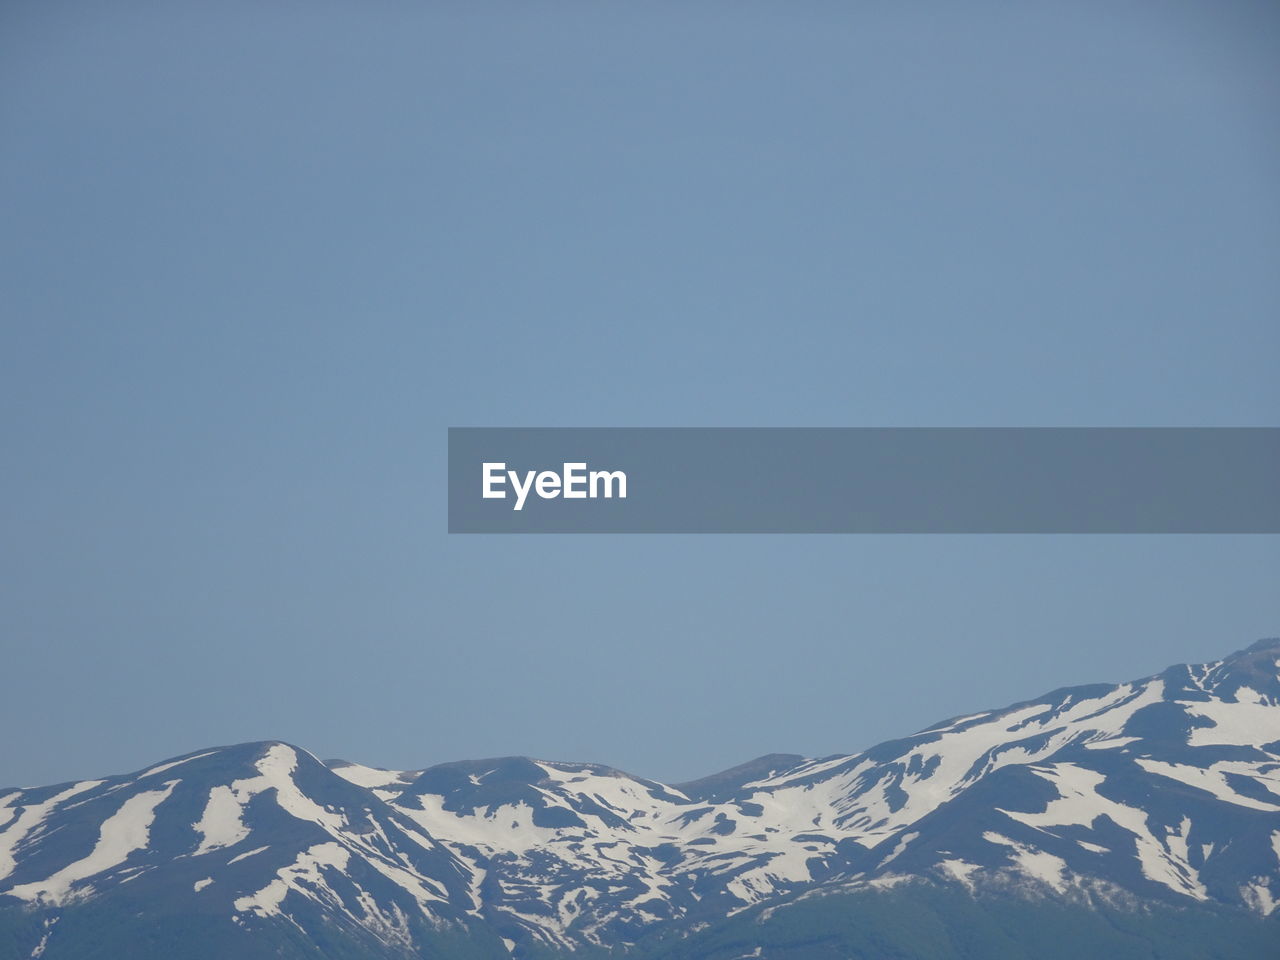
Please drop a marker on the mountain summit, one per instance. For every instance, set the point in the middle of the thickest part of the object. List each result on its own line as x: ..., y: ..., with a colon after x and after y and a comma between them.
x: 1140, y: 815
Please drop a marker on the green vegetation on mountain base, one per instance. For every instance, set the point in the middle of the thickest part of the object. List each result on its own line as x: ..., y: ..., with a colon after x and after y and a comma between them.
x: 922, y: 921
x: 101, y: 931
x: 913, y: 921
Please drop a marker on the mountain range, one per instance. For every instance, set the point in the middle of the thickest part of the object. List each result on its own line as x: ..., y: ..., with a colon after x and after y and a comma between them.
x: 1138, y: 819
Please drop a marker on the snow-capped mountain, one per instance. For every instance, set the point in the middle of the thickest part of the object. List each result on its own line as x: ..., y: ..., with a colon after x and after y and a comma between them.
x: 1160, y: 791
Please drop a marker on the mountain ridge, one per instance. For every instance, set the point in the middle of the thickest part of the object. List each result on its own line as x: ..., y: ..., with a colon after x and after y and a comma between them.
x: 1164, y: 790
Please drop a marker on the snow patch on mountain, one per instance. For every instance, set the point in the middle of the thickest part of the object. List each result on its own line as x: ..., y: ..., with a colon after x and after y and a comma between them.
x: 164, y: 767
x: 1213, y: 779
x: 1252, y: 719
x: 25, y: 818
x: 121, y: 834
x: 305, y: 876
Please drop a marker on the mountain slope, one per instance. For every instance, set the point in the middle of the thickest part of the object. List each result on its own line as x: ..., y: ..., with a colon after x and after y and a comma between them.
x: 1155, y: 795
x: 262, y: 837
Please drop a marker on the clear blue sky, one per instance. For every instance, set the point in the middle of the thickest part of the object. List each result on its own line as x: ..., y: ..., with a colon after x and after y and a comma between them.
x: 256, y: 257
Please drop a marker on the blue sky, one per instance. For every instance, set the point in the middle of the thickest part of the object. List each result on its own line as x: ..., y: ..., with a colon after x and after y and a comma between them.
x: 255, y: 259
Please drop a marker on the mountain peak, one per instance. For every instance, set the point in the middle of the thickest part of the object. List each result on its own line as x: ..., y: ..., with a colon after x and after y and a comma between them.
x: 1265, y: 645
x: 719, y: 786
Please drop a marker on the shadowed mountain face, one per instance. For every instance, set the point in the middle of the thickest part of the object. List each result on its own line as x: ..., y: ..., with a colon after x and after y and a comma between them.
x: 1161, y: 794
